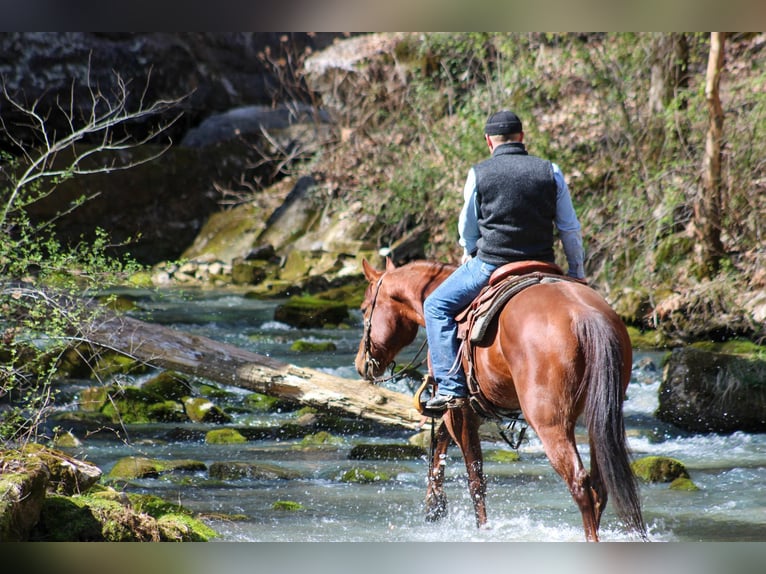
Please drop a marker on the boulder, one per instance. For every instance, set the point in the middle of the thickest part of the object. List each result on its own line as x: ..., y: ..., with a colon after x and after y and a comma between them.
x: 708, y: 391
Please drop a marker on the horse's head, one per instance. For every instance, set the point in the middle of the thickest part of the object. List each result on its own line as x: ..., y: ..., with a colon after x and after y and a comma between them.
x: 389, y: 325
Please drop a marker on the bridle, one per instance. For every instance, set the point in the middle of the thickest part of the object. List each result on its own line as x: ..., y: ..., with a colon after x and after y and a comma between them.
x: 369, y: 360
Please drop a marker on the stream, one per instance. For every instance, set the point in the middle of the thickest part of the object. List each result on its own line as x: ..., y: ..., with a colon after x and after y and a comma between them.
x: 526, y: 500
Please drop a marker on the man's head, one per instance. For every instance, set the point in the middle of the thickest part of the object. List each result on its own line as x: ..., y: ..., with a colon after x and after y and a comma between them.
x: 503, y: 126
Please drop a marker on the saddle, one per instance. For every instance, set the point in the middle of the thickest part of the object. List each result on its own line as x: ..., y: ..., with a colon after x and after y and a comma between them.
x: 506, y: 282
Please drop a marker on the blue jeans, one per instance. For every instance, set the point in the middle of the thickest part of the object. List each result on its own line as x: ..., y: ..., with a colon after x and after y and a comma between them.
x: 440, y: 309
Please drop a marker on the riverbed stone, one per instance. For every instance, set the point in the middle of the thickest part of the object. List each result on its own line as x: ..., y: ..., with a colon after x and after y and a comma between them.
x: 135, y: 467
x: 311, y: 312
x: 386, y: 452
x: 201, y: 410
x: 224, y: 436
x: 704, y: 390
x: 364, y: 476
x: 169, y: 385
x: 236, y: 470
x: 23, y: 488
x: 658, y: 469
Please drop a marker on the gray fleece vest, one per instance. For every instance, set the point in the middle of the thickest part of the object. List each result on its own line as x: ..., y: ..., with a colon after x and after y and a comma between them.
x: 516, y: 196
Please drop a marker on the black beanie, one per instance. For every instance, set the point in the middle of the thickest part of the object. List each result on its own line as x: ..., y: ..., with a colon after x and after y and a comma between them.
x: 502, y: 123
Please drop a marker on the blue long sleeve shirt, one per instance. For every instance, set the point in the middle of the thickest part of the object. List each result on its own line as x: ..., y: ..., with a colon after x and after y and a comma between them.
x: 566, y: 222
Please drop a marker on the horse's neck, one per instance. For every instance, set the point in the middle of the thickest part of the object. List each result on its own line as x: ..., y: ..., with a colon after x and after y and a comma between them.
x: 419, y: 280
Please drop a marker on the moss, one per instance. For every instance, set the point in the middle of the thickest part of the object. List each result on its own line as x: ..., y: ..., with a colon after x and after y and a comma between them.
x: 132, y: 467
x: 199, y: 409
x: 659, y: 469
x: 262, y: 403
x: 322, y: 438
x: 287, y: 505
x: 685, y: 484
x: 303, y: 346
x: 184, y: 528
x: 214, y: 392
x: 647, y: 339
x: 386, y: 452
x: 361, y: 475
x: 732, y: 347
x: 224, y: 436
x: 169, y: 385
x: 309, y: 312
x: 502, y: 456
x: 255, y: 471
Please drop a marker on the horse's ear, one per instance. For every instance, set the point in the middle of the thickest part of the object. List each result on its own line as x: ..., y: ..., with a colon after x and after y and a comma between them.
x: 370, y: 272
x: 390, y: 264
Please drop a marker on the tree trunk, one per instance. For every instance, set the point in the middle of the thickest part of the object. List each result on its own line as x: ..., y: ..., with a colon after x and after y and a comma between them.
x: 707, y: 210
x: 195, y: 355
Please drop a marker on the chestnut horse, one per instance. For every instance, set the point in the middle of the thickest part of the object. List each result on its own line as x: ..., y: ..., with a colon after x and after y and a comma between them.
x: 556, y: 350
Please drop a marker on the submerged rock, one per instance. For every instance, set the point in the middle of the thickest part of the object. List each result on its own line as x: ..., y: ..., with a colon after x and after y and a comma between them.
x: 709, y: 391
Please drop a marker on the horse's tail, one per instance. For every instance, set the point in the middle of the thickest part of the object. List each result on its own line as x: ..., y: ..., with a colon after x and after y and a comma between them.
x: 604, y: 417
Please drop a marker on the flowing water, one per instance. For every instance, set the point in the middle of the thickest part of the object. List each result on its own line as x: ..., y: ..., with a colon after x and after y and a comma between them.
x: 526, y: 500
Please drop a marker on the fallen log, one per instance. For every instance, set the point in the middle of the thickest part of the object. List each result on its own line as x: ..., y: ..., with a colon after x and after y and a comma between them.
x: 168, y: 348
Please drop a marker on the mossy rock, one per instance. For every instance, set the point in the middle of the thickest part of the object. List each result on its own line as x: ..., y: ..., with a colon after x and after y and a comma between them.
x: 93, y: 399
x: 90, y: 519
x: 214, y: 392
x: 132, y: 405
x: 647, y: 339
x: 364, y: 476
x: 351, y: 294
x: 255, y: 471
x: 304, y: 346
x: 684, y: 484
x: 134, y: 467
x: 167, y: 412
x: 184, y: 528
x: 110, y: 364
x: 658, y: 469
x: 321, y: 438
x: 224, y: 436
x: 262, y: 403
x: 386, y: 452
x: 169, y: 385
x: 287, y: 506
x: 502, y: 456
x: 250, y: 272
x: 201, y: 410
x: 311, y: 312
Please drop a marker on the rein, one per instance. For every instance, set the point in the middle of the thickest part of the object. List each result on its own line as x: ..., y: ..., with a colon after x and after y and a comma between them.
x: 369, y: 359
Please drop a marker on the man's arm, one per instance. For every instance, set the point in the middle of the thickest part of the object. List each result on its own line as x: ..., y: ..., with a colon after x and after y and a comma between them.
x: 569, y: 227
x: 468, y: 221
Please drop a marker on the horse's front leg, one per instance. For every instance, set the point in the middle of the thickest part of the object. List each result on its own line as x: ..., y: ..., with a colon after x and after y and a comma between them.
x: 463, y: 424
x: 436, y: 499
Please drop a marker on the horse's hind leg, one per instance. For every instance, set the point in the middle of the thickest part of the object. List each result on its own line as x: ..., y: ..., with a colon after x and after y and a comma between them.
x: 463, y: 425
x: 599, y: 493
x: 562, y: 452
x: 436, y: 499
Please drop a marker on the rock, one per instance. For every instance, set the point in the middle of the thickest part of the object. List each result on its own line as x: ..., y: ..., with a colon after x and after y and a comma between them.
x: 361, y: 475
x: 169, y: 385
x: 67, y: 475
x: 23, y: 488
x: 287, y: 505
x: 201, y: 410
x: 308, y: 312
x: 252, y: 471
x: 658, y: 469
x: 705, y: 391
x: 134, y: 467
x: 303, y: 346
x: 224, y: 436
x: 287, y: 125
x: 386, y: 452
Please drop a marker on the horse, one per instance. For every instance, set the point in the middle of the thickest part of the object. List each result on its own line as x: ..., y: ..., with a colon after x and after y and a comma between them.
x: 555, y: 351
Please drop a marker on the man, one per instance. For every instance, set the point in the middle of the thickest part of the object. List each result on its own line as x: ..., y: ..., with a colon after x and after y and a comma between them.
x: 512, y: 202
